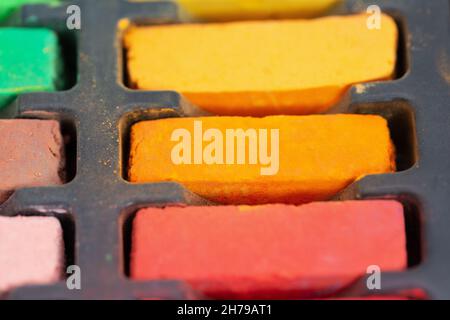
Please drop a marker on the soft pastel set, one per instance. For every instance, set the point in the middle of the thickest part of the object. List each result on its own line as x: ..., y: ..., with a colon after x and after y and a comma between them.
x: 224, y: 149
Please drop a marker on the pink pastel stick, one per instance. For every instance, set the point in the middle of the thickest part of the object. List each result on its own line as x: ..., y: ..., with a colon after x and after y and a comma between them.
x: 31, y: 251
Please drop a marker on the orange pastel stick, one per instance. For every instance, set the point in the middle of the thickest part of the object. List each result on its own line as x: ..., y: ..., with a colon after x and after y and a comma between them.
x: 290, y: 159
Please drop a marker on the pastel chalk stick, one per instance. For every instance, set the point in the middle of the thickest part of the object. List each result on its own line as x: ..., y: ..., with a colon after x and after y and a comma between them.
x: 28, y: 66
x: 32, y: 154
x: 311, y: 158
x: 272, y: 251
x: 31, y: 251
x: 220, y: 10
x: 256, y: 68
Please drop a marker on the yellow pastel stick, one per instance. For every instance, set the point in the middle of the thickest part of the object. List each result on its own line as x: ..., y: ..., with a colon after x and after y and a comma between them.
x: 278, y: 159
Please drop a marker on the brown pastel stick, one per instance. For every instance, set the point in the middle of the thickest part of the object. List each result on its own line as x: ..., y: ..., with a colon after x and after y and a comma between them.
x: 282, y: 251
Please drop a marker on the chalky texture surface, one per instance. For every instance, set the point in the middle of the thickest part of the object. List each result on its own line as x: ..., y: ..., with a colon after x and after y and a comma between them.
x: 29, y: 61
x: 263, y: 67
x: 31, y: 251
x: 31, y: 154
x: 7, y: 7
x: 267, y: 251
